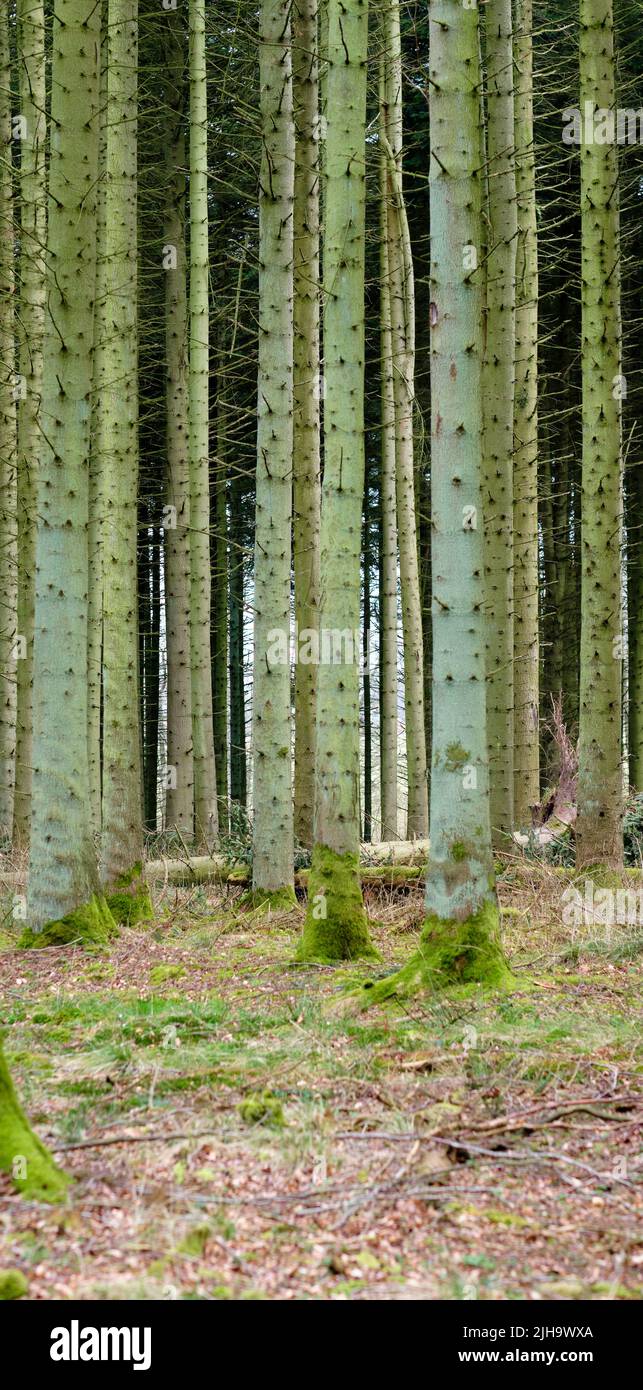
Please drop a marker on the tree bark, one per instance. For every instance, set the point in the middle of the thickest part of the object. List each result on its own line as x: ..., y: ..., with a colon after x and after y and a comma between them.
x: 306, y: 420
x: 599, y: 827
x: 498, y: 411
x: 272, y: 772
x: 336, y: 926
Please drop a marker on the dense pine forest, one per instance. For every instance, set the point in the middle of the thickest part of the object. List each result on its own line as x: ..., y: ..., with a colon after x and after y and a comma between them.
x: 321, y: 649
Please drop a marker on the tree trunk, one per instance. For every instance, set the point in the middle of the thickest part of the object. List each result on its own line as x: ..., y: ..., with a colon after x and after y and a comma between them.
x: 635, y: 630
x: 306, y: 421
x: 238, y: 759
x: 219, y: 606
x: 402, y: 299
x: 599, y: 828
x: 63, y: 890
x: 33, y: 231
x: 498, y: 410
x: 272, y: 771
x: 336, y: 926
x: 117, y: 444
x: 460, y: 939
x: 388, y: 537
x: 179, y: 772
x: 27, y: 1162
x: 205, y: 788
x: 525, y: 517
x: 8, y: 450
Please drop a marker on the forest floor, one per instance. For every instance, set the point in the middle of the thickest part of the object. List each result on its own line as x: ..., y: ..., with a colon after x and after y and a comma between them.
x: 231, y: 1136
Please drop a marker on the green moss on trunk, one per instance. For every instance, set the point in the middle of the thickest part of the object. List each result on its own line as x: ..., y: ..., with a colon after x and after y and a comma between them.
x: 336, y: 926
x: 450, y: 953
x: 22, y: 1155
x: 91, y: 925
x: 130, y: 900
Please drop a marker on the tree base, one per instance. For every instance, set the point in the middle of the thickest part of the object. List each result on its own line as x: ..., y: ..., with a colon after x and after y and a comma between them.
x: 130, y: 901
x: 450, y: 954
x: 22, y: 1156
x: 90, y: 925
x: 336, y: 926
x: 261, y: 899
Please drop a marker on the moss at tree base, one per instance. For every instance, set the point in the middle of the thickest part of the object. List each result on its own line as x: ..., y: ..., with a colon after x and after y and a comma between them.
x: 90, y: 925
x: 12, y: 1284
x: 336, y: 926
x: 29, y: 1165
x: 450, y: 953
x: 280, y: 900
x: 129, y: 901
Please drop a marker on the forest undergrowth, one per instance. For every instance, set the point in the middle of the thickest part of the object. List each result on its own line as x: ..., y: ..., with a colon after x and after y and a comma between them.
x: 232, y: 1133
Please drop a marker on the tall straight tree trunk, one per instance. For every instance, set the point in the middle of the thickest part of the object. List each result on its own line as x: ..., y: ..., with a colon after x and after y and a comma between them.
x: 402, y: 292
x: 219, y: 607
x: 63, y: 891
x: 635, y: 627
x: 306, y: 421
x: 272, y: 771
x: 238, y: 760
x: 117, y: 443
x: 459, y: 940
x: 366, y: 674
x: 33, y: 231
x: 525, y: 518
x: 205, y: 788
x: 179, y: 772
x: 498, y: 398
x: 98, y: 448
x: 336, y: 926
x: 388, y: 512
x: 151, y: 673
x: 8, y: 449
x: 599, y: 829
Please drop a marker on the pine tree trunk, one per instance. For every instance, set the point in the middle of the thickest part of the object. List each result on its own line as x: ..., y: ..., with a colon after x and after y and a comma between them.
x: 205, y: 789
x: 599, y: 829
x: 238, y: 760
x: 117, y: 444
x: 388, y: 512
x: 219, y: 608
x: 498, y: 398
x: 151, y: 669
x: 306, y: 421
x: 366, y: 674
x: 525, y: 518
x: 63, y: 876
x: 272, y: 771
x: 8, y: 450
x: 402, y: 298
x: 179, y: 772
x: 460, y: 939
x: 336, y: 924
x: 635, y: 629
x: 33, y: 231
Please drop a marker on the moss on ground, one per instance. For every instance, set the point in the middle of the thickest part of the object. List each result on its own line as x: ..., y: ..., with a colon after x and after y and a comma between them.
x: 449, y: 953
x: 129, y: 899
x: 336, y: 926
x: 91, y: 924
x: 29, y: 1165
x: 12, y: 1284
